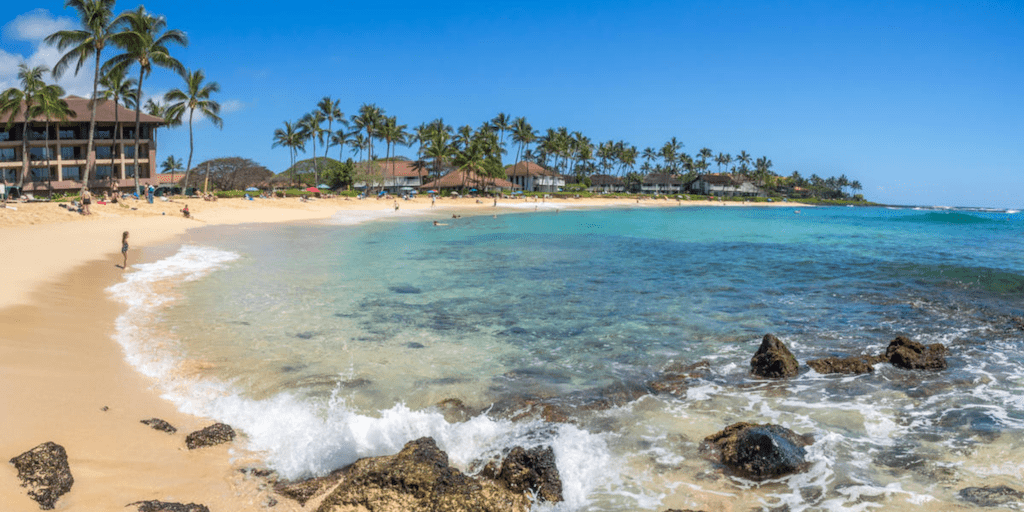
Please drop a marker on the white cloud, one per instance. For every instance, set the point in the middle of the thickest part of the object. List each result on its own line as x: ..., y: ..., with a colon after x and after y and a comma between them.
x: 34, y: 26
x: 231, y: 106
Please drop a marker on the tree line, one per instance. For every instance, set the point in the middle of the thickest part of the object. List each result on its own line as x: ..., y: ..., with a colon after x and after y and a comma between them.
x: 441, y: 148
x: 141, y: 40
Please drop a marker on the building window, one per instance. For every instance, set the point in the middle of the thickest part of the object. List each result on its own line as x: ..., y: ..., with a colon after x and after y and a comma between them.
x: 104, y: 152
x: 128, y: 133
x: 72, y: 173
x: 8, y: 155
x: 129, y: 171
x: 37, y: 134
x: 37, y: 154
x: 106, y: 133
x: 9, y: 174
x: 70, y: 153
x: 5, y: 136
x: 103, y: 171
x: 40, y: 173
x: 68, y: 133
x: 129, y: 151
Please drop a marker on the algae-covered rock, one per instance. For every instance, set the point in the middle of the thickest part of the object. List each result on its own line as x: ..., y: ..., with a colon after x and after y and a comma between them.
x: 911, y: 355
x: 159, y: 424
x: 45, y: 472
x: 215, y: 434
x: 855, y: 364
x: 773, y: 360
x: 163, y: 506
x: 532, y: 471
x: 758, y: 452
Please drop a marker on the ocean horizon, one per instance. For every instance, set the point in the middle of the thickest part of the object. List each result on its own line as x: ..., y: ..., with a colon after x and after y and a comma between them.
x: 324, y: 343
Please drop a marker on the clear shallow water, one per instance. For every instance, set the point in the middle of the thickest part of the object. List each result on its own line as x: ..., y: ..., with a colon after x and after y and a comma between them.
x: 328, y: 343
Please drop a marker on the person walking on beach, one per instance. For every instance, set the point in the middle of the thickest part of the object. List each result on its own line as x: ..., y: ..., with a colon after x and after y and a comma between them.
x: 396, y: 205
x: 432, y: 199
x: 86, y: 201
x: 124, y: 250
x: 149, y: 194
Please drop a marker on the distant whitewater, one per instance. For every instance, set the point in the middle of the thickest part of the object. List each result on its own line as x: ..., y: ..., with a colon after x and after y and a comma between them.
x: 327, y: 343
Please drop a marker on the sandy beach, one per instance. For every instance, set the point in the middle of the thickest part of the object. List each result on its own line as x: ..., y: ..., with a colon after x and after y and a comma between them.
x: 65, y: 379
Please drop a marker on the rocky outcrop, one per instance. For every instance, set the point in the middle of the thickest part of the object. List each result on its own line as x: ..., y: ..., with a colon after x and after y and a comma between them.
x: 162, y: 506
x: 854, y: 364
x: 675, y: 379
x: 159, y: 424
x: 532, y: 471
x: 418, y: 478
x: 45, y: 472
x: 911, y: 355
x: 999, y: 496
x: 306, y: 490
x: 215, y: 434
x: 758, y: 452
x: 773, y: 360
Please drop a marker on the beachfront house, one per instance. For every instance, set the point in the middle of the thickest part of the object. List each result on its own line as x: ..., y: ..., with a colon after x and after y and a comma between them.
x: 534, y: 178
x: 725, y: 185
x: 57, y: 155
x: 400, y: 176
x: 606, y: 184
x: 661, y: 183
x: 464, y: 179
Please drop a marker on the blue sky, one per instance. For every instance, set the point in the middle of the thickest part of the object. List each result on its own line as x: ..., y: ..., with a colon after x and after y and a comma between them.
x: 920, y: 101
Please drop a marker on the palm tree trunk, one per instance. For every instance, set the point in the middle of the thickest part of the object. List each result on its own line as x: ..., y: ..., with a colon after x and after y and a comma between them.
x: 24, y: 151
x: 90, y: 157
x: 138, y: 112
x: 117, y: 134
x: 190, y: 146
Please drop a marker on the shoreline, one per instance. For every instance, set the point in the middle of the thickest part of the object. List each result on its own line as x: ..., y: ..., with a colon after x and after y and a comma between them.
x: 58, y: 355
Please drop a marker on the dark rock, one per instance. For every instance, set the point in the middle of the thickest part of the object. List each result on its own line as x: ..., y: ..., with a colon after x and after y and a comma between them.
x: 854, y: 364
x: 532, y: 470
x: 758, y: 452
x: 45, y: 472
x: 162, y: 506
x: 159, y: 424
x: 215, y: 434
x: 308, y: 489
x: 912, y: 355
x: 413, y: 344
x: 405, y: 288
x: 269, y: 501
x: 675, y: 379
x: 418, y: 478
x: 687, y: 510
x: 104, y: 408
x: 305, y: 335
x: 455, y: 411
x: 999, y: 496
x: 773, y: 360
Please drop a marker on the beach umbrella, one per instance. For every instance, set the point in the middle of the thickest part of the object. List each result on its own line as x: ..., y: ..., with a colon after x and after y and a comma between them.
x: 432, y: 191
x: 252, y: 189
x: 322, y: 186
x: 312, y: 189
x: 472, y: 190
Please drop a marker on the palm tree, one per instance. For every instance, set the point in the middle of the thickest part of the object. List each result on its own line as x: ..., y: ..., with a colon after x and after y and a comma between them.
x: 117, y: 87
x: 289, y: 137
x: 501, y: 123
x: 368, y: 120
x: 393, y: 133
x: 89, y: 41
x: 744, y: 159
x: 171, y: 165
x: 145, y: 45
x: 11, y: 102
x: 309, y: 127
x: 332, y: 112
x: 670, y: 154
x: 341, y: 138
x: 51, y: 106
x: 196, y: 96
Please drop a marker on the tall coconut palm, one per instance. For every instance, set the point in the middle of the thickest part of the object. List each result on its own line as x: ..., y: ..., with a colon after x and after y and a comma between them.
x: 393, y: 135
x: 368, y: 119
x: 144, y: 42
x: 670, y: 154
x: 332, y: 112
x: 96, y: 18
x: 341, y: 138
x: 51, y: 106
x: 289, y: 137
x: 196, y: 96
x: 28, y: 96
x: 522, y: 133
x: 117, y: 87
x: 501, y: 122
x: 309, y: 127
x: 171, y: 165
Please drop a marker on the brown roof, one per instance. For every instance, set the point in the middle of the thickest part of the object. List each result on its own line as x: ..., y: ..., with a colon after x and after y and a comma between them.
x: 456, y: 179
x: 656, y: 178
x: 604, y: 179
x: 528, y: 169
x: 104, y: 112
x: 401, y: 168
x: 720, y: 179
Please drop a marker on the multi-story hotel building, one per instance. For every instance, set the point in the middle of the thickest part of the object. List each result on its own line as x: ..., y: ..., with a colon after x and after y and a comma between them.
x: 58, y: 159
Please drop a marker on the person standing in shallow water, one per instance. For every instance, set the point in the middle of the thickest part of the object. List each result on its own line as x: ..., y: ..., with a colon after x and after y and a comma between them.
x: 124, y: 250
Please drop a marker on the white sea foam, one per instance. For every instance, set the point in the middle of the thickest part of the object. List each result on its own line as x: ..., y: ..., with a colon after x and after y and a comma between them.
x: 300, y: 438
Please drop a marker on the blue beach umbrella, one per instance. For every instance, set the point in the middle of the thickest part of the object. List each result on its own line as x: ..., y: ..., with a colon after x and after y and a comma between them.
x: 252, y: 189
x: 322, y: 186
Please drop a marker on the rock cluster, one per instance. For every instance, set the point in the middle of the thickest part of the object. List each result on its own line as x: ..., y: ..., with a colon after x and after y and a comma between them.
x: 999, y: 496
x: 159, y: 424
x: 758, y: 452
x: 532, y: 471
x: 45, y: 472
x: 912, y: 355
x: 215, y: 434
x: 854, y: 364
x: 162, y: 506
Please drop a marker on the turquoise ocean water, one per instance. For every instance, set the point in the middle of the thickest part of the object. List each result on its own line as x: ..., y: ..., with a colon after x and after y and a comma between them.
x: 326, y: 343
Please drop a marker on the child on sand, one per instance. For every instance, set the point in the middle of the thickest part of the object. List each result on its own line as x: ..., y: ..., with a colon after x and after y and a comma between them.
x: 186, y: 212
x: 124, y: 250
